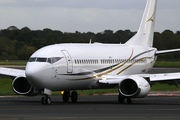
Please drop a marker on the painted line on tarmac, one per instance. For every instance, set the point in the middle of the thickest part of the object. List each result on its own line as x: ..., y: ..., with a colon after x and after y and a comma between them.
x: 163, y: 94
x: 151, y: 94
x: 10, y: 96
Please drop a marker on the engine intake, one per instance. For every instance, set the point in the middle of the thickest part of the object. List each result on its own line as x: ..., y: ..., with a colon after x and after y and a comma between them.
x: 21, y: 86
x: 129, y: 87
x: 134, y: 86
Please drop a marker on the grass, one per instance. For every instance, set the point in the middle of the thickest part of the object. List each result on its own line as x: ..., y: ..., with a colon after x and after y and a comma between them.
x: 13, y: 63
x: 167, y: 64
x: 164, y: 87
x: 6, y: 89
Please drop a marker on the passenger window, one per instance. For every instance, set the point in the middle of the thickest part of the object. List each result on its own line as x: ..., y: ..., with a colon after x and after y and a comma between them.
x: 41, y: 59
x: 32, y: 59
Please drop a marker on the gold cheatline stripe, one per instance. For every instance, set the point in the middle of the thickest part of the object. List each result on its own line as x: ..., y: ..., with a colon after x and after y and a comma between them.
x: 83, y: 78
x: 133, y: 64
x: 117, y: 67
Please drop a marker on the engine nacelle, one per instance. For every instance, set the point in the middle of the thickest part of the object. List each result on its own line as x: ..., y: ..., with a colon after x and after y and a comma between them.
x: 21, y: 86
x: 135, y: 87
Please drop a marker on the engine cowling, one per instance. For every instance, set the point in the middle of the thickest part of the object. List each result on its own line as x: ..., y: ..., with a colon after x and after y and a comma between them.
x: 135, y: 87
x: 21, y: 86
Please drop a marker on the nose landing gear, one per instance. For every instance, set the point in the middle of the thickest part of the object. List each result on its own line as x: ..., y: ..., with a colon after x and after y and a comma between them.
x: 46, y: 100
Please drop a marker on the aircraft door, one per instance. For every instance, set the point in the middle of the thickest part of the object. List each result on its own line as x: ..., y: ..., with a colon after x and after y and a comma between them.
x: 69, y: 61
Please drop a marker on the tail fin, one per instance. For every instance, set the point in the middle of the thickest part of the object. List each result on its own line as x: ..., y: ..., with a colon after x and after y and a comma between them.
x: 145, y: 33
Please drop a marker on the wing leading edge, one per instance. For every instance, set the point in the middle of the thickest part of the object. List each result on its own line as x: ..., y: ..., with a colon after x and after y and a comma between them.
x: 12, y: 72
x: 170, y: 78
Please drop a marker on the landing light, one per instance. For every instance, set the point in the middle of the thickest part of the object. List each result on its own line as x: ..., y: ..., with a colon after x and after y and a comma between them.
x: 104, y: 78
x: 62, y: 92
x: 95, y: 76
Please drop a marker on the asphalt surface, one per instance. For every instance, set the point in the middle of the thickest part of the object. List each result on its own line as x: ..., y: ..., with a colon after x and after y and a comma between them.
x: 156, y: 106
x: 95, y: 107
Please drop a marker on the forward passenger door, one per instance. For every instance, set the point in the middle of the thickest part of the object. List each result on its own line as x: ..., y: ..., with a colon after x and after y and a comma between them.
x: 69, y: 61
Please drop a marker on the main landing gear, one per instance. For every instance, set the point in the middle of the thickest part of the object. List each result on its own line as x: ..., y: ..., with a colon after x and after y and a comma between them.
x: 121, y: 99
x: 67, y: 95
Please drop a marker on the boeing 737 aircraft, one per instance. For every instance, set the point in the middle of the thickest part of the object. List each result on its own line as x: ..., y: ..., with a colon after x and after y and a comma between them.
x: 70, y: 67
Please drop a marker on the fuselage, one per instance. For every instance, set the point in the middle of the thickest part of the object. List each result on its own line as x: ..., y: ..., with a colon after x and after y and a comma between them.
x: 79, y: 66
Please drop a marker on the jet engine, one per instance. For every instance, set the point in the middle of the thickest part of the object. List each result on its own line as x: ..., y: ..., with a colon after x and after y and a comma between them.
x: 21, y: 86
x: 134, y: 87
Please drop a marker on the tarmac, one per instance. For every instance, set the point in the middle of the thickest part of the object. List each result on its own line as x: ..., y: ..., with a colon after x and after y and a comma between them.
x: 89, y: 107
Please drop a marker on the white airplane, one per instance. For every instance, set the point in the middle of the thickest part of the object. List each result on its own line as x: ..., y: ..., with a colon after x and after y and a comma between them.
x: 70, y: 67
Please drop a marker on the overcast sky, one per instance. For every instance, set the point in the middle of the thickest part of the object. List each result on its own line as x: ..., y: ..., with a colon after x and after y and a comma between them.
x: 86, y: 15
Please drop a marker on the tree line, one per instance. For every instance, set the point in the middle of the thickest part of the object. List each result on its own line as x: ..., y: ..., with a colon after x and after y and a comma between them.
x: 19, y: 44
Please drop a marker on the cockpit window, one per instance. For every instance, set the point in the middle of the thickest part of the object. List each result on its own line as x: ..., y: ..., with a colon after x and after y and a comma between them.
x: 49, y: 60
x: 53, y: 59
x: 32, y: 59
x: 41, y: 60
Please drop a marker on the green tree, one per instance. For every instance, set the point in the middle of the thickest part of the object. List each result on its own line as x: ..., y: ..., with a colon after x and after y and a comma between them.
x: 12, y: 28
x: 7, y: 48
x: 25, y: 52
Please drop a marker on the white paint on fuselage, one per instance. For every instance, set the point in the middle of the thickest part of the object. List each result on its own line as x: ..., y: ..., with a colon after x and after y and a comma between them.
x: 84, y: 75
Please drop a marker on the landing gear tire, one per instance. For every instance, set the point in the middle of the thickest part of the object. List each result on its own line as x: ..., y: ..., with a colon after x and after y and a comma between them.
x: 129, y: 100
x: 43, y: 101
x: 66, y: 96
x: 121, y: 99
x: 74, y: 96
x: 46, y: 100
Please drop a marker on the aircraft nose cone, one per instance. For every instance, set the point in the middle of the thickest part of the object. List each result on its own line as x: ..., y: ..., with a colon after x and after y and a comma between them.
x: 34, y: 74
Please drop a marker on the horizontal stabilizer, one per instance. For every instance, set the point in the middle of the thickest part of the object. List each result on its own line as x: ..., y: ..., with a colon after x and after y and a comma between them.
x: 167, y: 51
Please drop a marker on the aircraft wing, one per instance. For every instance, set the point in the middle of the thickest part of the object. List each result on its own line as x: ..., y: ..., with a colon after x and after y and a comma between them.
x: 12, y: 72
x: 164, y: 77
x: 170, y: 78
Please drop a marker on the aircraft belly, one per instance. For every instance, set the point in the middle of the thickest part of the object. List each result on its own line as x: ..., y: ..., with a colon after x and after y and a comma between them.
x: 77, y: 85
